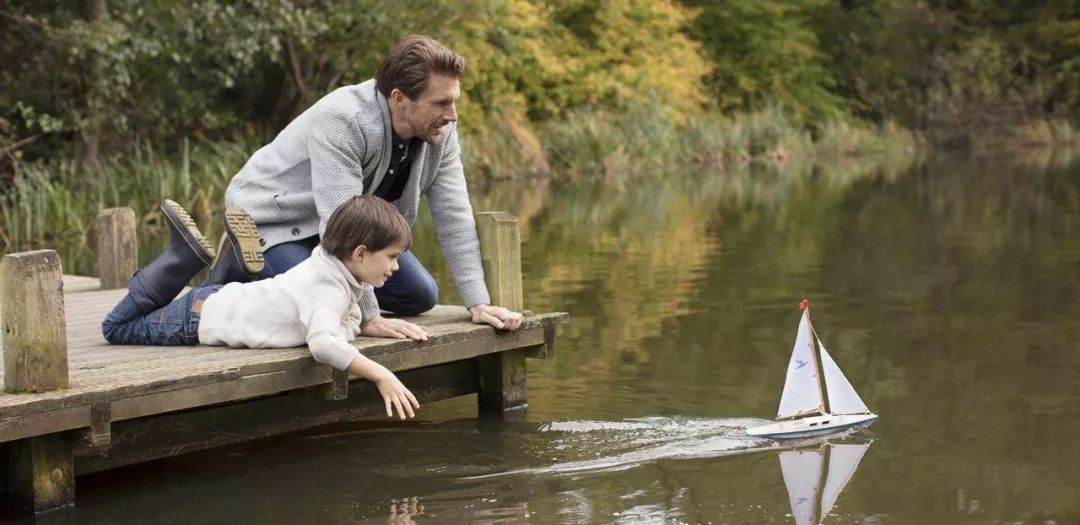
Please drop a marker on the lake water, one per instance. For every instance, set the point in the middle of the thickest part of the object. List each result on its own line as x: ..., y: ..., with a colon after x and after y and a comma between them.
x: 949, y: 293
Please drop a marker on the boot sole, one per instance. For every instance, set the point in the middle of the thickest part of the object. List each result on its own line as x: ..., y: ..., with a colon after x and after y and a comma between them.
x: 244, y: 236
x: 182, y: 221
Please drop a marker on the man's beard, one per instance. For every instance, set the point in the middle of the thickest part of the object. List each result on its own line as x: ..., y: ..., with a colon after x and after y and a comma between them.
x: 433, y: 136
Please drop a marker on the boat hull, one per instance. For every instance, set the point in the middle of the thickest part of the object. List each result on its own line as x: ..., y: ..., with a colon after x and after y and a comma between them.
x: 812, y: 426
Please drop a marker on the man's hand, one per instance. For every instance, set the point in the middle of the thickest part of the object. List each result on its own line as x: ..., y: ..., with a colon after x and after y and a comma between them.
x: 496, y: 316
x: 392, y: 328
x: 396, y: 396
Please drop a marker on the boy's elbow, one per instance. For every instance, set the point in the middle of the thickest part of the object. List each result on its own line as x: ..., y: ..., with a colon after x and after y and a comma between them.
x: 337, y: 357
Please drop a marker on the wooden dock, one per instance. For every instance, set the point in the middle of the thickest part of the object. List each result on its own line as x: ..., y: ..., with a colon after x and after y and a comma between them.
x: 96, y: 406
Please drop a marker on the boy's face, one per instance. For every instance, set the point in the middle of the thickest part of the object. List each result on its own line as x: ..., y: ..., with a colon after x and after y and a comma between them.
x: 371, y: 267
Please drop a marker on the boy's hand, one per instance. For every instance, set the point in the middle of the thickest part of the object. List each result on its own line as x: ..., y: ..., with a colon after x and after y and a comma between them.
x: 396, y: 396
x: 496, y: 316
x: 393, y: 328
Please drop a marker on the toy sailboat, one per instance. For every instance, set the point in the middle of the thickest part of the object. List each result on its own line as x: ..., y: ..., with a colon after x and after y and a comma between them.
x: 802, y: 405
x: 811, y: 500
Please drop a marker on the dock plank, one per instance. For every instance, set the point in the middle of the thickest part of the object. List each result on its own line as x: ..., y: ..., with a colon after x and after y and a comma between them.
x: 141, y: 381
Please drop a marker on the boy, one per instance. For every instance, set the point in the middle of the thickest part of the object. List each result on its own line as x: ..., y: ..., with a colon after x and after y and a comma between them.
x: 314, y: 303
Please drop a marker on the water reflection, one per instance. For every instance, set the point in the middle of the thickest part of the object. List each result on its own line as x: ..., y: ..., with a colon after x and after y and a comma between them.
x: 815, y: 477
x: 403, y: 511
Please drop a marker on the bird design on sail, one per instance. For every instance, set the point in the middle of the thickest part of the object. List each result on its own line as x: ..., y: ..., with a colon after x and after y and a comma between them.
x: 812, y: 378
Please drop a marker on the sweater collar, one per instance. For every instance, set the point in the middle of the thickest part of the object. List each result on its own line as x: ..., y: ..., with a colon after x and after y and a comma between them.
x: 336, y: 263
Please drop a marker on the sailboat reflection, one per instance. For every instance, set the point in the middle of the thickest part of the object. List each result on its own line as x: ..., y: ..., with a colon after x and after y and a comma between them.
x: 812, y: 496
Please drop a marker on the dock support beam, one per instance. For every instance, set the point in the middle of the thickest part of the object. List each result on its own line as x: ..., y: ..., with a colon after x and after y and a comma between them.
x: 502, y: 375
x: 117, y: 250
x: 41, y: 473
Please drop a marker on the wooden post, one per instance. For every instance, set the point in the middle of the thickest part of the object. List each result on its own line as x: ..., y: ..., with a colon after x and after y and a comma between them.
x: 42, y: 474
x: 99, y: 434
x: 338, y: 388
x: 41, y: 469
x: 500, y: 249
x: 502, y: 375
x: 117, y: 250
x: 35, y: 337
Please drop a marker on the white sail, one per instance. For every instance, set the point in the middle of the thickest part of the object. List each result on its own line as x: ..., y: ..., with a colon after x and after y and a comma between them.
x: 842, y: 396
x: 802, y: 391
x: 802, y: 475
x: 843, y: 460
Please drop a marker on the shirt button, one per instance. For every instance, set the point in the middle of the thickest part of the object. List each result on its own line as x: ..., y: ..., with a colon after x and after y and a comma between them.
x: 400, y: 146
x: 262, y: 242
x: 296, y: 231
x: 391, y: 172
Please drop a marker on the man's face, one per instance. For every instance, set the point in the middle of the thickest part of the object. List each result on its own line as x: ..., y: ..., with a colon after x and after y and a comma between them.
x: 432, y: 110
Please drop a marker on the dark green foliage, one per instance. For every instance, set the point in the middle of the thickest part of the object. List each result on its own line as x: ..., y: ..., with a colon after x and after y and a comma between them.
x: 766, y: 52
x: 84, y: 79
x: 958, y: 71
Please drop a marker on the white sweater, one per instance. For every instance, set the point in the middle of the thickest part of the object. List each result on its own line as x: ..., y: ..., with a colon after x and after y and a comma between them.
x: 314, y: 303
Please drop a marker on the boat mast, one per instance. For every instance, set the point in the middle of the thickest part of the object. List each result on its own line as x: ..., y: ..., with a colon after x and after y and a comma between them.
x: 805, y: 305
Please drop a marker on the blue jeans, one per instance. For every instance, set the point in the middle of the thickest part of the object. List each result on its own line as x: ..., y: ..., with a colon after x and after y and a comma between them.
x: 410, y: 291
x: 173, y: 324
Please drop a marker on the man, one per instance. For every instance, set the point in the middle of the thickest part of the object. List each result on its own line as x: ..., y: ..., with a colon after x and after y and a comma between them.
x: 393, y: 136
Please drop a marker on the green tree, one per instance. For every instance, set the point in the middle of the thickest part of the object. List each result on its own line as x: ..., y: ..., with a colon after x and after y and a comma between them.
x: 767, y: 52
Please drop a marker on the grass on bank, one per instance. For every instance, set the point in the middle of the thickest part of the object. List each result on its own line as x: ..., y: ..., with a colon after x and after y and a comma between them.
x: 642, y: 140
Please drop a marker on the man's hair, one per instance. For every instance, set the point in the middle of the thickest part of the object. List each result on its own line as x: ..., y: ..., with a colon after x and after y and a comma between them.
x: 367, y: 220
x: 408, y: 66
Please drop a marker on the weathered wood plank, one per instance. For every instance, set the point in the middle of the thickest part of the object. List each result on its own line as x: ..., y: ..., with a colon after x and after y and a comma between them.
x: 220, y: 392
x: 40, y: 423
x: 79, y: 283
x: 168, y: 435
x: 144, y: 372
x: 117, y: 251
x: 136, y: 396
x: 38, y: 403
x: 451, y: 347
x: 34, y: 338
x: 150, y: 377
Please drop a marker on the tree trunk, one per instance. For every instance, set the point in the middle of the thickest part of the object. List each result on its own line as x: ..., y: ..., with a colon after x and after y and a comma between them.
x: 91, y: 132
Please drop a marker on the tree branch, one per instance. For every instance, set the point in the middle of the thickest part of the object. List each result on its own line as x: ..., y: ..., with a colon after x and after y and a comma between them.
x: 294, y: 70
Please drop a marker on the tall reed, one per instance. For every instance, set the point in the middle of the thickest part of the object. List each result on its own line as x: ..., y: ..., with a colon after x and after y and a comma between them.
x: 53, y: 205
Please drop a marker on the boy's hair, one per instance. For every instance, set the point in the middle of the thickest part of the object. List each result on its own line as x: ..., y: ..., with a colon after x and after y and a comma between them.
x: 409, y: 64
x: 367, y: 220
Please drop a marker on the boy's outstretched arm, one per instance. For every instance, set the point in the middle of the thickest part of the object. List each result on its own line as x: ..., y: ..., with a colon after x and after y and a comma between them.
x: 329, y: 344
x: 394, y: 393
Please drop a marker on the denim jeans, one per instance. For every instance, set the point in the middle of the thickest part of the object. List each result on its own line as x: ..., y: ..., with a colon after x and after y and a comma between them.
x: 171, y: 325
x: 410, y: 291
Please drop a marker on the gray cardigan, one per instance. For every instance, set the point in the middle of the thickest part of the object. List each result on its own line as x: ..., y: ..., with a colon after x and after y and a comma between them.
x: 323, y: 157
